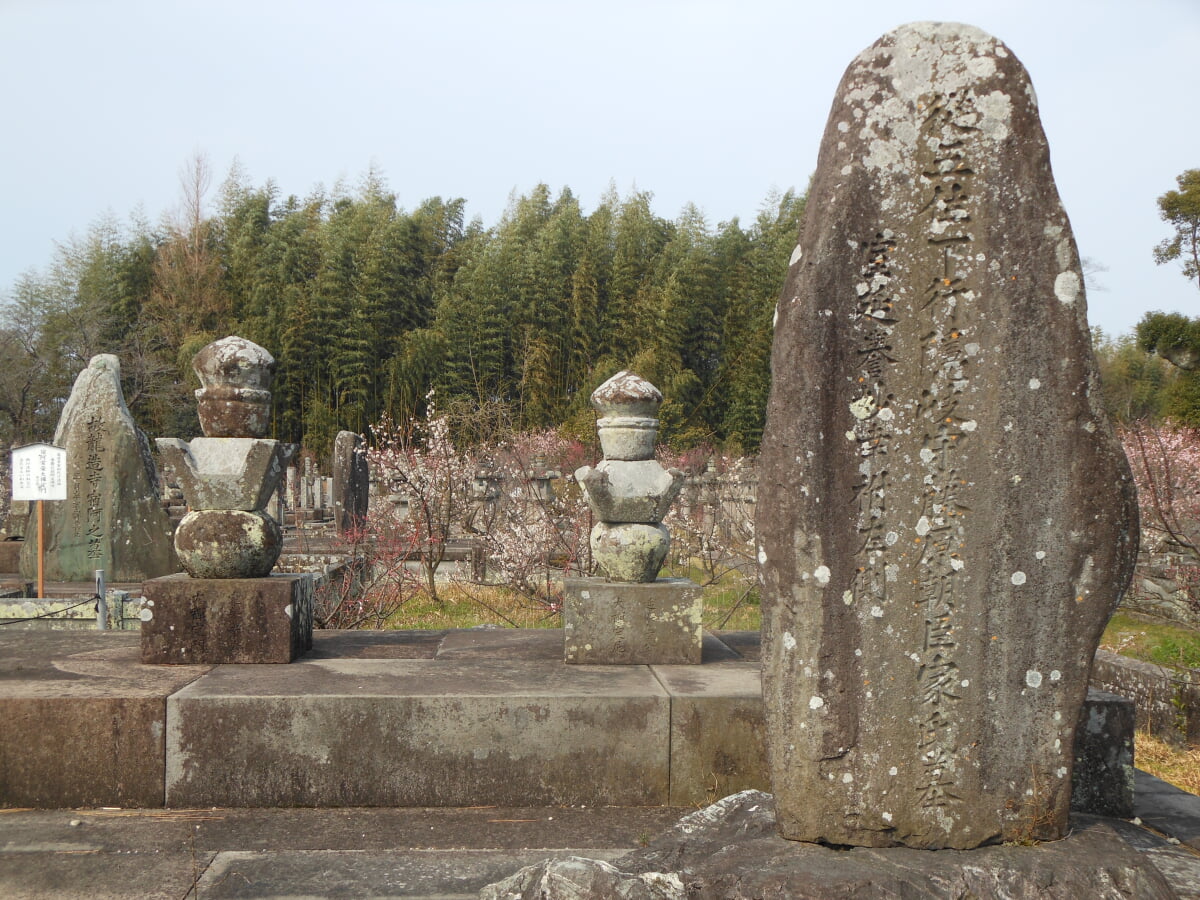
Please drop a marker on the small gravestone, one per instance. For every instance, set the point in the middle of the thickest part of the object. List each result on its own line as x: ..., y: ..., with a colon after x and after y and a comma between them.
x: 112, y: 518
x: 945, y: 518
x: 351, y: 482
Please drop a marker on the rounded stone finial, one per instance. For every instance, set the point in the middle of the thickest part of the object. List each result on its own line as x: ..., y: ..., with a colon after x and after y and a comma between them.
x: 627, y: 394
x: 235, y: 399
x: 628, y: 406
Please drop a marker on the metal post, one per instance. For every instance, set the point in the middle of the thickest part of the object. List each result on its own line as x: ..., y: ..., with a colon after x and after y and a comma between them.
x: 101, y: 601
x: 41, y: 528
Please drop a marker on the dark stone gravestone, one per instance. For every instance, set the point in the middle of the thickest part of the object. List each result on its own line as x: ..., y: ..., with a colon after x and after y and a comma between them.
x: 351, y: 482
x: 945, y: 518
x: 112, y: 518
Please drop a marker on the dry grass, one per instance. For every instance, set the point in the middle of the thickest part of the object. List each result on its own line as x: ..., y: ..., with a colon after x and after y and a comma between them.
x: 1175, y: 765
x: 732, y: 607
x: 468, y: 605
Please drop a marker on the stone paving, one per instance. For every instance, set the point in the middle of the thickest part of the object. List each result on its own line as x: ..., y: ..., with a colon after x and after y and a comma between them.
x: 104, y: 729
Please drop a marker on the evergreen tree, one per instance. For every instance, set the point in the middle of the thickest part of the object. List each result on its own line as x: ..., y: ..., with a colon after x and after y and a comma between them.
x: 1182, y: 209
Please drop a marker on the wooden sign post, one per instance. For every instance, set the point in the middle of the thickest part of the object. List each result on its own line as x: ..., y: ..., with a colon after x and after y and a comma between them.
x: 39, y: 472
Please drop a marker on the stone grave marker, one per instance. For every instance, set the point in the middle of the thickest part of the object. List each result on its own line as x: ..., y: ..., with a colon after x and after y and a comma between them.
x: 228, y: 608
x: 631, y: 616
x: 351, y: 482
x: 112, y: 518
x: 945, y: 520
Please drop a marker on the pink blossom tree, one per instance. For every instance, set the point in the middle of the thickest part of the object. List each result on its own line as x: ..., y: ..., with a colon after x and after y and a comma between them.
x: 431, y: 479
x: 1165, y: 461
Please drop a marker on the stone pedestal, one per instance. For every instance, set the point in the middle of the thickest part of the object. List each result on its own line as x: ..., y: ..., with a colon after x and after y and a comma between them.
x: 10, y: 556
x: 613, y: 623
x: 1102, y: 779
x: 190, y: 621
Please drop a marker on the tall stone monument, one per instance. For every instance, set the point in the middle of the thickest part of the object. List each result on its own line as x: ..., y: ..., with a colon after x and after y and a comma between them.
x: 228, y: 608
x: 945, y: 519
x: 632, y: 616
x: 112, y: 518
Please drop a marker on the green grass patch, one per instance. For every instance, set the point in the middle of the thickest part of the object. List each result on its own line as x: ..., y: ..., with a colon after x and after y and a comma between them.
x: 1152, y: 641
x: 733, y: 608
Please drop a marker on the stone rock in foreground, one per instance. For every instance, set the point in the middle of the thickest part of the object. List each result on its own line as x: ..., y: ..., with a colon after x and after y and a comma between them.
x: 731, y: 850
x: 577, y: 878
x: 945, y: 518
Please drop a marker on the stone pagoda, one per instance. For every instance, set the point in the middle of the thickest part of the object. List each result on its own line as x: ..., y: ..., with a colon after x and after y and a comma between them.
x: 631, y: 616
x: 228, y: 608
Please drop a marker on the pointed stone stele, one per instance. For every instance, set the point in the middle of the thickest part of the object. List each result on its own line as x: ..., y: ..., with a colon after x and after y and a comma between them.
x: 945, y: 518
x: 633, y: 617
x: 112, y: 518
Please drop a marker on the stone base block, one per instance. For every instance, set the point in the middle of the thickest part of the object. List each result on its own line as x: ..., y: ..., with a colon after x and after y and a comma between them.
x: 1102, y: 782
x: 10, y: 556
x: 190, y: 621
x: 83, y: 722
x: 408, y: 732
x: 717, y: 745
x: 616, y: 623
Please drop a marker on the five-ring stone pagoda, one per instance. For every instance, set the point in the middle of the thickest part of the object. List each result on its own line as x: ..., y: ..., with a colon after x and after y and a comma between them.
x: 228, y: 608
x: 631, y: 616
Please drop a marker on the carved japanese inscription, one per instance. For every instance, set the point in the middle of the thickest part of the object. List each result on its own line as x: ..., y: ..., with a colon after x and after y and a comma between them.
x: 112, y: 518
x: 945, y: 518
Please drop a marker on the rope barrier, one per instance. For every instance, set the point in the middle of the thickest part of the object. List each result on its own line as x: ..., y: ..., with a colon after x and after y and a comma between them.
x: 91, y: 599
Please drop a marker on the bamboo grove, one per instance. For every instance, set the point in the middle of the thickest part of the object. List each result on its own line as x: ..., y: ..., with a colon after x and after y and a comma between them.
x: 368, y: 307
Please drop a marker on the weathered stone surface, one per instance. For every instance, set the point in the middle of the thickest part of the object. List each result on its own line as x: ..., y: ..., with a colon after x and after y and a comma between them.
x: 10, y: 556
x: 629, y: 491
x: 228, y: 543
x: 112, y: 518
x: 731, y: 849
x: 625, y: 624
x: 226, y: 473
x: 1167, y: 701
x: 228, y: 620
x: 1102, y: 781
x: 19, y: 520
x: 83, y: 722
x: 579, y: 878
x: 351, y: 482
x: 235, y: 397
x: 717, y: 745
x: 398, y: 732
x: 945, y: 519
x: 630, y: 552
x: 628, y: 406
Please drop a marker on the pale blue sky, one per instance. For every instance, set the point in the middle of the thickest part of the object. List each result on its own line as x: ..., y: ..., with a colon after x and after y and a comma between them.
x: 714, y: 103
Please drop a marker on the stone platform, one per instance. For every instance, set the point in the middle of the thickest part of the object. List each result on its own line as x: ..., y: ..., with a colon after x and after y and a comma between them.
x: 395, y: 719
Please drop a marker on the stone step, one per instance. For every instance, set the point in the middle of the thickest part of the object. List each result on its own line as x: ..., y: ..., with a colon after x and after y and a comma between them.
x: 420, y: 718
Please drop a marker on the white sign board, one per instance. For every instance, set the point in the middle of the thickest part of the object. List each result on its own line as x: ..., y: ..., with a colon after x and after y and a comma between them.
x: 39, y: 472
